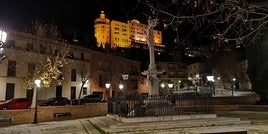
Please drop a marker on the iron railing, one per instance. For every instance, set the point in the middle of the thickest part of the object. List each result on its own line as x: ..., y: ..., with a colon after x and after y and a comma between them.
x: 161, y: 105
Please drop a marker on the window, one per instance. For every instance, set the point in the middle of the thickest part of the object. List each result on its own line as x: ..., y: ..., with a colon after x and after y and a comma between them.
x: 101, y: 81
x: 29, y: 47
x: 73, y: 75
x: 71, y: 55
x: 10, y: 87
x: 84, y: 90
x: 73, y: 92
x: 82, y: 56
x: 11, y: 71
x: 58, y: 91
x: 10, y: 44
x: 31, y: 68
x: 42, y: 49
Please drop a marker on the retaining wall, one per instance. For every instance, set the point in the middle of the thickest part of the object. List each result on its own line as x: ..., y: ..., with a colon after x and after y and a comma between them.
x: 44, y: 114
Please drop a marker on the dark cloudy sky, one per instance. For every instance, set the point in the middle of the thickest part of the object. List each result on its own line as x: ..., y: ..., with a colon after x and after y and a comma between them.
x: 73, y: 13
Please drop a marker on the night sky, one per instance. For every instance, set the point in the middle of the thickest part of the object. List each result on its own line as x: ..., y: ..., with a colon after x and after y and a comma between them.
x: 67, y: 14
x: 75, y: 18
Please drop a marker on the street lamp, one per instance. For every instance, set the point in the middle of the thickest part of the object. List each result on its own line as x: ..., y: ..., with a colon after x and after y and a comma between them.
x: 162, y: 85
x: 3, y: 36
x: 170, y: 86
x: 37, y: 82
x: 125, y: 76
x: 197, y: 80
x: 210, y: 78
x: 234, y: 79
x: 179, y: 86
x: 121, y: 86
x: 108, y: 85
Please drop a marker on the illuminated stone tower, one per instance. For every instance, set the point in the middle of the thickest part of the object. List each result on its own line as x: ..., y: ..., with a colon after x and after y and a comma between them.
x: 124, y: 35
x: 120, y: 34
x: 102, y: 30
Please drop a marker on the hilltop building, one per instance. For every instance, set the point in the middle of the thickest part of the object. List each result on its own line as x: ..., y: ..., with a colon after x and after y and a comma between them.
x: 113, y: 34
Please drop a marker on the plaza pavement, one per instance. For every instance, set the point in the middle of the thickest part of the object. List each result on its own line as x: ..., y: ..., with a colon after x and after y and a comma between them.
x: 258, y: 125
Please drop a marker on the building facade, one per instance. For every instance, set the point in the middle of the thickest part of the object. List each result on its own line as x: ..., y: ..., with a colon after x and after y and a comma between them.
x: 126, y: 35
x: 197, y: 73
x: 25, y: 55
x: 174, y: 73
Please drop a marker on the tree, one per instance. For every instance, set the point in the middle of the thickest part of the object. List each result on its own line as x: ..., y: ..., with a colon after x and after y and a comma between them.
x: 258, y: 66
x: 224, y: 65
x: 85, y: 73
x: 238, y: 22
x: 48, y: 58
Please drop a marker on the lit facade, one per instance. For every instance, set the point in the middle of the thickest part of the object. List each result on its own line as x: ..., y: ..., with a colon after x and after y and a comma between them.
x: 102, y: 30
x: 24, y: 55
x: 126, y: 35
x: 119, y: 35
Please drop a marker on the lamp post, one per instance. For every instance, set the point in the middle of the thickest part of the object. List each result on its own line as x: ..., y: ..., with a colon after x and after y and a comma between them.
x: 170, y: 85
x: 108, y: 85
x: 234, y: 79
x: 3, y: 36
x: 219, y: 78
x: 179, y: 85
x: 210, y: 78
x: 197, y: 80
x: 37, y: 82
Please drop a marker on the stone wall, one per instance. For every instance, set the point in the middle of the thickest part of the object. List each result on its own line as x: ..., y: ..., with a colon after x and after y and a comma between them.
x: 47, y: 113
x: 236, y: 100
x: 262, y: 108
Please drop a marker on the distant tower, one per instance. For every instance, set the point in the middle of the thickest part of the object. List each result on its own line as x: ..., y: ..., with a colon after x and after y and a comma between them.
x: 102, y: 30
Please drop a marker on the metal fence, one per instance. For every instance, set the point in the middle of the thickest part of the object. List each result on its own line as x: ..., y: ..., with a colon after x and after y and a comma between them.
x: 160, y: 105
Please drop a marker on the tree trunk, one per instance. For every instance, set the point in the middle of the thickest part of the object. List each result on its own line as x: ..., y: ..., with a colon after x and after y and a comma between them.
x: 153, y: 81
x: 80, y: 93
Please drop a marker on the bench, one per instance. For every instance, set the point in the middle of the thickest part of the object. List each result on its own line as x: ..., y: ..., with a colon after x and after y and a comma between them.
x: 63, y: 115
x: 6, y: 119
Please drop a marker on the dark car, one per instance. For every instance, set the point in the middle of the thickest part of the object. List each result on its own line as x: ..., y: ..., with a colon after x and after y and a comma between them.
x: 88, y: 99
x: 17, y: 103
x: 56, y: 101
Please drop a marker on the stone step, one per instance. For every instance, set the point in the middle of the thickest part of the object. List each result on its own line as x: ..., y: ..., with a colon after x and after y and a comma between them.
x: 175, y: 124
x: 112, y: 126
x: 89, y: 127
x: 105, y: 122
x: 163, y: 118
x: 224, y: 130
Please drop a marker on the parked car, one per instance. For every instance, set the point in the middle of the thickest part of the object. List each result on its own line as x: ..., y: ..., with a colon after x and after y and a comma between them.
x: 88, y: 99
x: 16, y: 103
x: 56, y: 101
